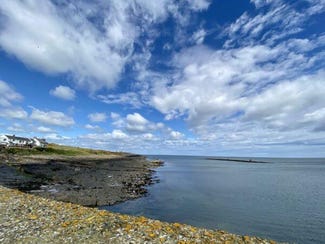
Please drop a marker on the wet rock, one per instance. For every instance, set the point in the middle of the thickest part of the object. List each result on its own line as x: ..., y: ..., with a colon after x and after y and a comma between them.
x: 89, y: 182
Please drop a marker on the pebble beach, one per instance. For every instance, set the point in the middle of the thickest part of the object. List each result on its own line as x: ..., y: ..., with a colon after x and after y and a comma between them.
x: 26, y: 218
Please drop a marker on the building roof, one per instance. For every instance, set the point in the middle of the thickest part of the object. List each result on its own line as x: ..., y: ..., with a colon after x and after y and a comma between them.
x: 13, y: 137
x: 42, y: 140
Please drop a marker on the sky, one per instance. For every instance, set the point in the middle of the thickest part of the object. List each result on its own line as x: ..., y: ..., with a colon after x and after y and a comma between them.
x: 191, y: 77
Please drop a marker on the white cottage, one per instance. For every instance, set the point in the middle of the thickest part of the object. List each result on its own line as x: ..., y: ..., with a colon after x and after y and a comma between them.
x: 4, y: 141
x: 19, y: 141
x: 38, y: 142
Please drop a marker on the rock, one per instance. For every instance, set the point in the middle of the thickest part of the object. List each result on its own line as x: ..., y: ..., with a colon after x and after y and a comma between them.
x: 246, y: 238
x: 82, y: 181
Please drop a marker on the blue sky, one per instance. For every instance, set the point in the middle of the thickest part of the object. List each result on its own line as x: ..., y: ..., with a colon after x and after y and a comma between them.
x: 235, y: 78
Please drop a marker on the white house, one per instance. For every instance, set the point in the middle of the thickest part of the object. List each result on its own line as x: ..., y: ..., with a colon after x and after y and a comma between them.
x: 4, y: 141
x: 38, y: 142
x: 8, y: 140
x: 19, y: 141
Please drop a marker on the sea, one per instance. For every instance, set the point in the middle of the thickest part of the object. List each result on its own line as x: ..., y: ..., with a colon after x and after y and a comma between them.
x: 283, y: 199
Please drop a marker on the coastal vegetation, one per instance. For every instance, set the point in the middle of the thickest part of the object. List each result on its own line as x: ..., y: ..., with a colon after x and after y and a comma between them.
x: 60, y: 150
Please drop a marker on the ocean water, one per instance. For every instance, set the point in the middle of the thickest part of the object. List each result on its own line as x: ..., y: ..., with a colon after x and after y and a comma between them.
x: 283, y: 200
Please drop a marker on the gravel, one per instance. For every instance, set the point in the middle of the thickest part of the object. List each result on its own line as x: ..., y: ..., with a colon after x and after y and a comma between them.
x: 26, y: 218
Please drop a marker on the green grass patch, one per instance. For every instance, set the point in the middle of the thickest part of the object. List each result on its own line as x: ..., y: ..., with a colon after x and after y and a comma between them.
x: 54, y: 149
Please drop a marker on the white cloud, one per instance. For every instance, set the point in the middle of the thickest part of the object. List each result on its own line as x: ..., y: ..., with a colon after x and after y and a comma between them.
x: 121, y: 141
x: 214, y: 85
x: 66, y: 42
x: 136, y: 118
x: 149, y: 137
x: 265, y: 86
x: 198, y: 36
x: 281, y: 20
x: 176, y: 135
x: 140, y: 127
x: 261, y: 3
x: 136, y: 122
x: 317, y: 115
x: 131, y: 98
x: 8, y: 95
x: 63, y: 92
x: 198, y: 5
x: 115, y: 116
x: 203, y: 89
x: 287, y: 102
x: 118, y: 121
x: 16, y: 127
x: 97, y: 117
x: 52, y: 118
x: 13, y: 113
x: 90, y: 41
x: 105, y: 137
x: 92, y: 127
x: 56, y: 137
x: 254, y: 91
x: 316, y: 118
x: 154, y: 11
x: 44, y: 129
x: 118, y: 134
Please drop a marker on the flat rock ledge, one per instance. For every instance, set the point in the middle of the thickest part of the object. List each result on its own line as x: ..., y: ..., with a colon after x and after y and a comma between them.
x: 95, y: 180
x: 26, y: 218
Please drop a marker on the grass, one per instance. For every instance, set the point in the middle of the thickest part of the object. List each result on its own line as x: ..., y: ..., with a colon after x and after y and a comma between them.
x: 55, y: 149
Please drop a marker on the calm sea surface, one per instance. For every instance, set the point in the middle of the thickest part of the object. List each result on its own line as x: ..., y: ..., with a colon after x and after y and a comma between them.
x: 283, y: 200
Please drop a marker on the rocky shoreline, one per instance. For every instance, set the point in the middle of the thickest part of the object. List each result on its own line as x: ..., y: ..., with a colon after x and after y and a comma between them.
x: 58, y: 185
x: 94, y: 180
x: 25, y: 218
